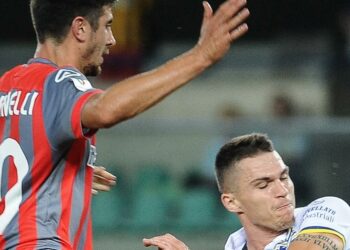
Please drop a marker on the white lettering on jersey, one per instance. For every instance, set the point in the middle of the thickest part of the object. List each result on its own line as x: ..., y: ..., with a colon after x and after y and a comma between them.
x: 32, y: 102
x: 75, y: 77
x: 13, y: 197
x: 10, y: 103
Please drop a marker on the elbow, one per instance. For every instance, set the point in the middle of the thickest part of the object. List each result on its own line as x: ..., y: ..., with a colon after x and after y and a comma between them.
x: 105, y: 114
x: 109, y: 118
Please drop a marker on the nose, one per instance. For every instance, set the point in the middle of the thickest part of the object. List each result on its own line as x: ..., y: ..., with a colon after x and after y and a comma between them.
x: 111, y: 40
x: 280, y: 189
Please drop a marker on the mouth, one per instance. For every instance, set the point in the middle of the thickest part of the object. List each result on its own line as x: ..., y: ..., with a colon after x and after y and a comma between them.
x: 284, y: 206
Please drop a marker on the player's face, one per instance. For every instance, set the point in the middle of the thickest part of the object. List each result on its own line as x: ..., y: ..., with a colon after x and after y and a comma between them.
x: 98, y: 45
x: 266, y: 192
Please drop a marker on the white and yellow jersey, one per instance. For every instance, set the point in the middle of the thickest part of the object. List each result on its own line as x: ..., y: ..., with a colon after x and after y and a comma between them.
x: 325, y: 215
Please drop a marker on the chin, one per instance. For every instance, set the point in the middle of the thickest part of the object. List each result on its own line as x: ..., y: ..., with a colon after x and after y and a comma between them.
x: 92, y: 70
x: 286, y: 223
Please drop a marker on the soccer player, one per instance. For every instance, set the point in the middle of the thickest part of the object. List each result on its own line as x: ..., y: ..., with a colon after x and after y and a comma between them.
x: 49, y: 114
x: 255, y: 185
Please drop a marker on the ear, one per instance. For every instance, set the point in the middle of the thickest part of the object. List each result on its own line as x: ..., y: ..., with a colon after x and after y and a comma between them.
x: 231, y: 203
x: 80, y: 28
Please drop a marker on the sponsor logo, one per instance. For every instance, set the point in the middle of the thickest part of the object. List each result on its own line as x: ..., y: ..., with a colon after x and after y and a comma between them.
x: 92, y: 156
x: 66, y: 73
x: 75, y: 77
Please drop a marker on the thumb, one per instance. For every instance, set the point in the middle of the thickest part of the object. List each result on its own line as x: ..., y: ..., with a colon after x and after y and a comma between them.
x: 208, y: 12
x: 146, y: 242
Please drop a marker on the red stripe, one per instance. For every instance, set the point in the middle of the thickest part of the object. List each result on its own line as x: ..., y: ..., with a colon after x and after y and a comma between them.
x: 41, y: 169
x: 2, y: 127
x: 2, y: 242
x: 2, y: 119
x: 14, y: 134
x: 89, y: 242
x: 74, y: 161
x: 86, y: 211
x: 76, y: 114
x: 12, y: 174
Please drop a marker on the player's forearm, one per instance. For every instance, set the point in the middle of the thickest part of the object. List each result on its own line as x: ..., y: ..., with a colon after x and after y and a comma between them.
x: 132, y: 96
x: 316, y: 242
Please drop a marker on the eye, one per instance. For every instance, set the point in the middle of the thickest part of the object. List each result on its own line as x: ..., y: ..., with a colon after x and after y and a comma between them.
x: 284, y: 177
x: 262, y: 185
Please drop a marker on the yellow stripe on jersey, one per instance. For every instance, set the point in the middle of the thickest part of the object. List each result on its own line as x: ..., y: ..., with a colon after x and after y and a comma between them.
x: 323, y: 230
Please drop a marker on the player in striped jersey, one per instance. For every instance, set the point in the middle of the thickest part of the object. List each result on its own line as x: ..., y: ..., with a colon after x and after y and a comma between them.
x: 49, y: 114
x: 255, y: 185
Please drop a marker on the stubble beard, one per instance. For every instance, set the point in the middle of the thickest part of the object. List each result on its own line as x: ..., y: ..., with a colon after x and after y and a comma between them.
x: 92, y: 70
x: 285, y: 224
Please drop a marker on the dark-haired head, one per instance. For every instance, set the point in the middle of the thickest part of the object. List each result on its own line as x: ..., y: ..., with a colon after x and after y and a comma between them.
x: 52, y: 18
x: 236, y: 150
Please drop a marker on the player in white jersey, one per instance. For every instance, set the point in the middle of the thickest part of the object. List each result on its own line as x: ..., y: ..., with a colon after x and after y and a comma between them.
x: 328, y: 215
x: 255, y: 185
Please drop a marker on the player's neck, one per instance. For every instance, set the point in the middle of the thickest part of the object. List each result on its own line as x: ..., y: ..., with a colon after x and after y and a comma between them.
x: 258, y: 238
x: 60, y: 54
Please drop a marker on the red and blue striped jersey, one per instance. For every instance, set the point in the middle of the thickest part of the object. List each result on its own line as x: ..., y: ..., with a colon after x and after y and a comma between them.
x: 46, y: 158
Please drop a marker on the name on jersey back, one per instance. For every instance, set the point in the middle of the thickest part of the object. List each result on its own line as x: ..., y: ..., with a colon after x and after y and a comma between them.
x: 17, y: 103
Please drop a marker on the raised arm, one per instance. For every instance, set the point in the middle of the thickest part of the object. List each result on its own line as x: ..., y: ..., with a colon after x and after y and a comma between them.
x: 134, y: 95
x: 317, y: 241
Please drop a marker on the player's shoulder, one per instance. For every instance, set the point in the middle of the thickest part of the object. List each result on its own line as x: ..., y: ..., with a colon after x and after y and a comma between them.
x: 324, y: 207
x: 13, y: 71
x: 70, y: 75
x: 329, y: 201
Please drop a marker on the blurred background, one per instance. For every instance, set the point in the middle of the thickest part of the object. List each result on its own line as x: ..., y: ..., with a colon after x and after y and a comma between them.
x: 288, y: 77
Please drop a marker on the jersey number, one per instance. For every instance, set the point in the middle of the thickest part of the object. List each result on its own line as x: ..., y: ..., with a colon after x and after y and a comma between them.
x: 13, y: 197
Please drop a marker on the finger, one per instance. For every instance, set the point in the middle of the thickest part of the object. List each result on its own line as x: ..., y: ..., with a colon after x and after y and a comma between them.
x: 147, y: 242
x: 152, y: 242
x: 238, y: 32
x: 100, y: 171
x: 238, y: 19
x: 104, y: 181
x: 101, y: 187
x: 229, y: 9
x: 97, y: 184
x: 208, y: 12
x: 94, y: 192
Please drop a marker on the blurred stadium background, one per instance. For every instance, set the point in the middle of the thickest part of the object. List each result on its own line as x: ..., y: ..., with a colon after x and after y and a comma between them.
x: 289, y: 77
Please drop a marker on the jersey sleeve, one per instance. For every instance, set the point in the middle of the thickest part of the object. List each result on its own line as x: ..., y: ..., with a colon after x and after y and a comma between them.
x: 65, y: 93
x: 327, y: 215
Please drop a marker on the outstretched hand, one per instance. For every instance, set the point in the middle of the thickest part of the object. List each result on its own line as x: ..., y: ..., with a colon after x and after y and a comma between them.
x: 103, y: 180
x: 221, y: 28
x: 165, y: 242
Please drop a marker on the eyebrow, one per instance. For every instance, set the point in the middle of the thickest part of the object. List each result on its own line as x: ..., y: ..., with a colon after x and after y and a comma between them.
x: 267, y: 179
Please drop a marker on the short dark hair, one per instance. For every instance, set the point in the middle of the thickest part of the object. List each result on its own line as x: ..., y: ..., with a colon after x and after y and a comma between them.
x: 237, y: 149
x: 52, y: 18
